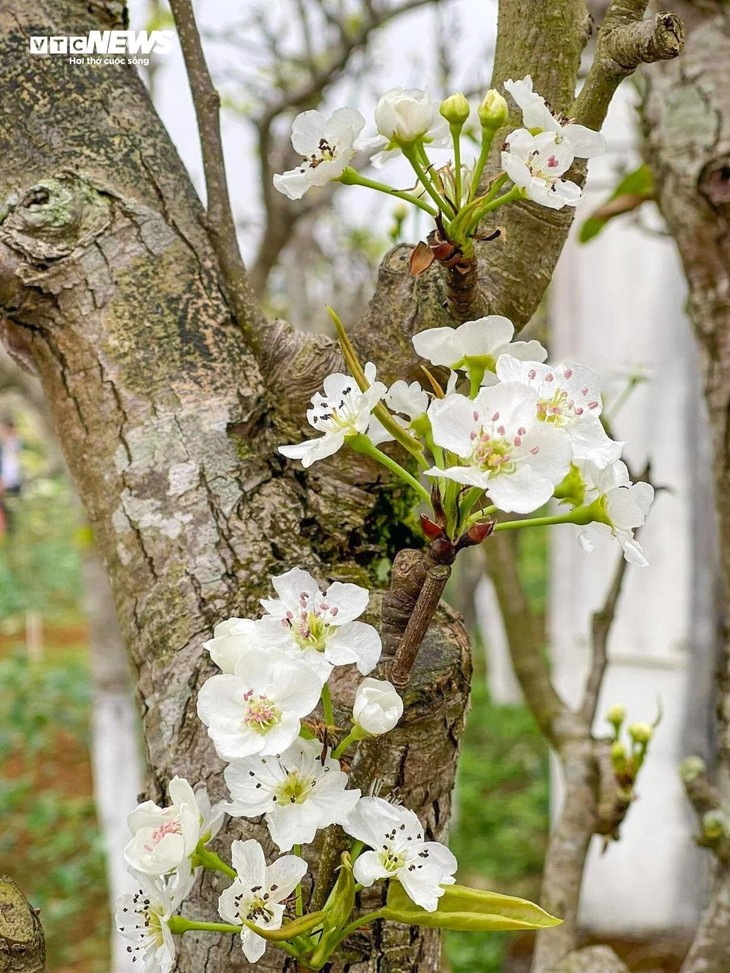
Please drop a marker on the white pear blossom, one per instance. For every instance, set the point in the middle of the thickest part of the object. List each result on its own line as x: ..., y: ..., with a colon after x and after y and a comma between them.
x: 258, y: 707
x: 568, y: 397
x: 300, y: 792
x: 504, y: 447
x: 258, y: 893
x: 326, y: 145
x: 320, y: 629
x: 143, y: 916
x: 164, y: 838
x: 625, y: 504
x: 584, y: 142
x: 342, y: 411
x: 231, y: 639
x: 475, y: 344
x: 407, y: 402
x: 377, y: 707
x: 422, y: 867
x: 536, y: 163
x: 404, y: 116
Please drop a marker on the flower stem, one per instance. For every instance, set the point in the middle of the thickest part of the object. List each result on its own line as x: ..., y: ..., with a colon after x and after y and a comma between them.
x: 352, y: 737
x: 487, y: 139
x: 578, y: 515
x: 209, y: 859
x: 297, y: 850
x: 360, y: 921
x: 179, y: 925
x: 411, y: 153
x: 456, y: 139
x: 329, y: 715
x: 361, y: 444
x: 350, y: 177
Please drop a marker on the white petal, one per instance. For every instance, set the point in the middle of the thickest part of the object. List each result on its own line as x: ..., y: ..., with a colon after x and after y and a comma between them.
x: 247, y: 858
x: 285, y: 873
x: 349, y: 599
x: 584, y: 141
x: 438, y: 345
x: 307, y: 132
x: 368, y: 869
x: 293, y: 824
x: 356, y: 642
x: 452, y: 420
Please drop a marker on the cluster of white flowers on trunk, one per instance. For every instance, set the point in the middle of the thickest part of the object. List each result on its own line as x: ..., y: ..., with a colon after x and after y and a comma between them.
x: 273, y: 675
x: 508, y: 433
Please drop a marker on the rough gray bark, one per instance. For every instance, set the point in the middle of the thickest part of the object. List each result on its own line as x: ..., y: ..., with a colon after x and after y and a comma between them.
x: 686, y: 116
x: 111, y: 284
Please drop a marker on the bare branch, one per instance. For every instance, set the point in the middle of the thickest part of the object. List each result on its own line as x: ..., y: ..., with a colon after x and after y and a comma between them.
x: 522, y: 638
x: 601, y: 625
x: 625, y: 41
x: 219, y: 216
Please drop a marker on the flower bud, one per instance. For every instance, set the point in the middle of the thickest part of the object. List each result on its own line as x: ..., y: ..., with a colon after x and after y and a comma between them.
x: 455, y: 109
x: 714, y: 825
x: 377, y: 707
x: 618, y: 754
x: 691, y: 768
x: 641, y: 732
x: 404, y: 115
x: 493, y: 111
x: 616, y: 714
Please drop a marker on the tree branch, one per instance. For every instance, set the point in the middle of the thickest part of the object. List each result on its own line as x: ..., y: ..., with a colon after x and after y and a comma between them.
x: 219, y: 216
x: 522, y: 639
x: 22, y: 947
x: 601, y: 625
x: 625, y: 41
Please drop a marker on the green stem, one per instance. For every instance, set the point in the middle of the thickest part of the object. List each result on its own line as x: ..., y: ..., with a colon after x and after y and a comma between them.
x: 178, y: 925
x: 460, y: 226
x: 456, y: 139
x: 211, y: 861
x: 297, y: 850
x: 487, y: 139
x: 515, y: 193
x: 411, y: 153
x: 329, y: 714
x: 350, y: 177
x: 361, y: 444
x: 579, y: 515
x: 360, y: 921
x: 352, y: 737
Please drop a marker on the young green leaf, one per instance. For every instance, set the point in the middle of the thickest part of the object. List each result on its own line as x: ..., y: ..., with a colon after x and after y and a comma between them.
x: 469, y: 910
x: 633, y: 190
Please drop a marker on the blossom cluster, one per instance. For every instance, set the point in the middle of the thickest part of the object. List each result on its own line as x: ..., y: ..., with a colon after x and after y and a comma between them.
x: 509, y: 432
x: 273, y: 675
x: 534, y: 158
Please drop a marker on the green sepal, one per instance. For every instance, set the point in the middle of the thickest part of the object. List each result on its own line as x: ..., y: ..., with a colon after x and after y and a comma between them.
x: 298, y: 927
x: 572, y: 489
x: 468, y: 910
x: 339, y: 906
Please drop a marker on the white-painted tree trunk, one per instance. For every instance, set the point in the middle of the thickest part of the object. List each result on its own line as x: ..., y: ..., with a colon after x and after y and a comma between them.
x: 115, y: 740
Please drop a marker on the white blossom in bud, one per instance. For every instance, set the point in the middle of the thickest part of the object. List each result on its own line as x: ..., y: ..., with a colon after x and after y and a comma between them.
x: 625, y: 506
x: 164, y: 838
x: 502, y: 445
x: 258, y: 893
x: 231, y: 639
x: 535, y: 163
x: 258, y: 707
x: 326, y: 146
x: 319, y: 628
x: 377, y: 707
x: 342, y: 411
x: 404, y: 116
x: 568, y: 397
x: 476, y: 344
x: 143, y: 916
x: 299, y: 792
x: 399, y: 852
x: 584, y: 142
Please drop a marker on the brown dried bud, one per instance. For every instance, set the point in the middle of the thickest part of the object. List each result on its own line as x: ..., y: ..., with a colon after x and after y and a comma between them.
x: 430, y: 529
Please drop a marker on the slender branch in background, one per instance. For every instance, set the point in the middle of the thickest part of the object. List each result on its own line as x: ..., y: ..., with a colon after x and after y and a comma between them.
x: 219, y: 216
x: 530, y: 665
x: 601, y: 625
x: 625, y: 41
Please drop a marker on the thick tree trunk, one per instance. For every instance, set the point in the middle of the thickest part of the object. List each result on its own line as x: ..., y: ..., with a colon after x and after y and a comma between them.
x: 170, y: 428
x: 686, y: 114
